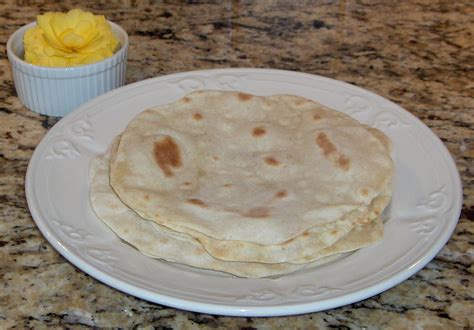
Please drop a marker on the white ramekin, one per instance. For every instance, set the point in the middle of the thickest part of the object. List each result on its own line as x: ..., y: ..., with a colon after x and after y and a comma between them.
x: 55, y: 91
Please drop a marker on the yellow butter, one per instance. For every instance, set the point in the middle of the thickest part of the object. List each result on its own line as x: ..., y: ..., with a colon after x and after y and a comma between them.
x: 69, y: 39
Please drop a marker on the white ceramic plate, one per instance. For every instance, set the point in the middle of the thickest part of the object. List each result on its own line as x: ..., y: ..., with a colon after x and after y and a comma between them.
x: 420, y: 219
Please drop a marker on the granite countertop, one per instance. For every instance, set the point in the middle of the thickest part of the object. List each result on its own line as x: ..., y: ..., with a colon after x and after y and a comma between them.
x: 418, y: 54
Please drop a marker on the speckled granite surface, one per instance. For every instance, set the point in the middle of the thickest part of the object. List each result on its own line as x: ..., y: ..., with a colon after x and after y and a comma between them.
x: 418, y: 54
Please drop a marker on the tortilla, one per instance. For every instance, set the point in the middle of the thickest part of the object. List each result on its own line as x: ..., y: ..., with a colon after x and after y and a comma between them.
x: 237, y: 167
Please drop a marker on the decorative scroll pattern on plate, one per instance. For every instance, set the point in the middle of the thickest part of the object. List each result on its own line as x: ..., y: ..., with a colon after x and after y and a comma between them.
x: 102, y: 256
x: 424, y: 226
x: 436, y: 202
x: 356, y: 104
x: 306, y: 291
x: 79, y: 236
x: 227, y: 82
x: 82, y: 129
x: 61, y: 150
x: 86, y: 241
x: 67, y: 146
x: 189, y: 85
x: 388, y: 120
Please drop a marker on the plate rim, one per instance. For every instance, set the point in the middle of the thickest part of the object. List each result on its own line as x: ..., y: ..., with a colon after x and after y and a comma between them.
x: 232, y: 310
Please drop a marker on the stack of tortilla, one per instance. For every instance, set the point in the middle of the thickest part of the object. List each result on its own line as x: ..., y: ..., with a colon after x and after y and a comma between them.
x: 253, y: 186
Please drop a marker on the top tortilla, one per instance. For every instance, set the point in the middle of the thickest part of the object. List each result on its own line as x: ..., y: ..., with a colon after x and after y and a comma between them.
x: 234, y: 166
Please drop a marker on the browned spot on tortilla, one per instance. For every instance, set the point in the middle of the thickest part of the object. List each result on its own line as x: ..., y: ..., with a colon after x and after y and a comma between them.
x: 227, y: 185
x: 334, y: 231
x: 301, y: 102
x: 146, y: 197
x: 364, y: 191
x: 167, y: 155
x: 258, y: 212
x: 215, y: 157
x: 281, y: 194
x: 325, y: 144
x: 316, y: 117
x: 186, y: 99
x: 187, y: 183
x: 218, y: 251
x: 329, y: 151
x: 344, y: 163
x: 197, y: 202
x: 364, y: 221
x: 259, y: 131
x: 197, y: 116
x: 271, y: 161
x: 244, y: 96
x: 305, y: 233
